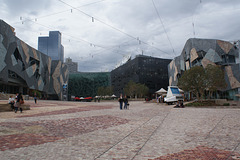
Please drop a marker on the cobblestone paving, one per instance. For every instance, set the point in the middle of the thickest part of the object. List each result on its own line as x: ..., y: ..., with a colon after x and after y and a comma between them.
x: 76, y: 130
x: 66, y: 111
x: 201, y: 153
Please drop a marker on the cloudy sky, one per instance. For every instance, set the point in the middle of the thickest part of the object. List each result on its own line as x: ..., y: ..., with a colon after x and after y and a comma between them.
x: 99, y: 34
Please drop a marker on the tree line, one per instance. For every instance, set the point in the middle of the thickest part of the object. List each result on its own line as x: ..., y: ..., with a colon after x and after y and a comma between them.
x: 202, y: 81
x: 132, y: 89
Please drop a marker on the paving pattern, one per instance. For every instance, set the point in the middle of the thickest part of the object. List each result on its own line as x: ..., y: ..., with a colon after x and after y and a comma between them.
x: 89, y: 131
x: 200, y: 153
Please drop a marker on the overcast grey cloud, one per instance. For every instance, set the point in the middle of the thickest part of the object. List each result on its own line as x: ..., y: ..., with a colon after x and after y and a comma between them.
x: 98, y: 34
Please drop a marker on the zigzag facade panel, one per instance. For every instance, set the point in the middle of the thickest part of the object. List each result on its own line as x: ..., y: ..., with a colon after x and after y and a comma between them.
x: 23, y: 66
x: 209, y: 51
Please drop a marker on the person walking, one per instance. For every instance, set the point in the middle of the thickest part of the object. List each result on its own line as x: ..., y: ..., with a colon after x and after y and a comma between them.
x: 120, y: 100
x: 19, y: 101
x: 11, y: 101
x: 125, y: 100
x: 35, y: 97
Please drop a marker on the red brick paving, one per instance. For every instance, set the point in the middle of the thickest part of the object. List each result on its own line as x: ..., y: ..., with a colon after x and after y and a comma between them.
x: 71, y: 110
x: 24, y: 140
x: 56, y: 130
x: 53, y: 130
x: 71, y: 127
x: 49, y: 104
x: 200, y: 153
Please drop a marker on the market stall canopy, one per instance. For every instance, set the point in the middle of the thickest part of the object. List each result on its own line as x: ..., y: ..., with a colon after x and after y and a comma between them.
x: 237, y: 95
x: 113, y: 96
x: 161, y: 91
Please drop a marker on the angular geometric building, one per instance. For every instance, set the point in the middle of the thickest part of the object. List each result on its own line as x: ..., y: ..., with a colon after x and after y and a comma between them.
x: 24, y: 69
x: 146, y: 70
x: 201, y: 52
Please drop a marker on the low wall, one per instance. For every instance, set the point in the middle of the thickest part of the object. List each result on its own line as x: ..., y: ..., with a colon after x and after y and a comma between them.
x: 221, y: 101
x: 4, y: 96
x: 5, y: 107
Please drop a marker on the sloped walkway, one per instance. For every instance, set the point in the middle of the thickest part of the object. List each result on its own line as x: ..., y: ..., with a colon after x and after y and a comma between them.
x: 82, y: 130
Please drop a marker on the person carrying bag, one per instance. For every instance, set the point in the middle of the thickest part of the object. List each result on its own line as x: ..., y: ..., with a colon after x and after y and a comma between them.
x: 19, y: 102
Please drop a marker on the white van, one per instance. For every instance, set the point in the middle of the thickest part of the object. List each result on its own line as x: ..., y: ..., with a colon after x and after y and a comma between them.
x: 173, y: 95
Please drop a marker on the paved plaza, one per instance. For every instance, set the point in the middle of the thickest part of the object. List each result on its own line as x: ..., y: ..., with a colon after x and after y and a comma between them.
x: 87, y: 130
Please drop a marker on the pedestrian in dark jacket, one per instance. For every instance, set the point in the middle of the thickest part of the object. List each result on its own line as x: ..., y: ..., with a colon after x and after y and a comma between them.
x: 120, y: 100
x: 125, y: 100
x: 19, y: 101
x: 35, y: 97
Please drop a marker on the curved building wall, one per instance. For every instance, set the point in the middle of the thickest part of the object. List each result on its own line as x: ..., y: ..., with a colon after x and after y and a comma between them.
x: 26, y: 67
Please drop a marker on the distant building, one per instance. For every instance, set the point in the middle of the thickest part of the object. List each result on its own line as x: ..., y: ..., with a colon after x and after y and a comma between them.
x: 86, y: 84
x: 52, y: 46
x: 146, y: 70
x: 72, y: 66
x: 201, y: 52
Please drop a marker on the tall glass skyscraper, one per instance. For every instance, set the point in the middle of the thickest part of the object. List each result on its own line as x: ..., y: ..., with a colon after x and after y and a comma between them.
x: 52, y: 46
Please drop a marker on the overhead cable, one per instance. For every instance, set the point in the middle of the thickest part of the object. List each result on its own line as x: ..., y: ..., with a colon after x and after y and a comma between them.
x: 163, y: 25
x: 96, y: 19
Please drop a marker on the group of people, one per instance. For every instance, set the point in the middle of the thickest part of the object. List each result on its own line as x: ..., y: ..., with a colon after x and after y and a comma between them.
x: 16, y: 102
x: 179, y: 104
x: 160, y: 99
x: 123, y: 100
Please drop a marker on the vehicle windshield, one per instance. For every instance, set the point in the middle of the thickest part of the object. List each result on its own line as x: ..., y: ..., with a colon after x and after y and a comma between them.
x: 175, y: 90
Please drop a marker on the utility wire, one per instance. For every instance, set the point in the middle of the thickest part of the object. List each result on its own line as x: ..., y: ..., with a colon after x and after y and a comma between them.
x: 70, y: 9
x: 88, y: 15
x: 163, y: 25
x: 111, y: 48
x: 53, y: 14
x: 91, y: 3
x: 82, y: 40
x: 77, y: 38
x: 193, y: 24
x: 62, y: 11
x: 93, y: 18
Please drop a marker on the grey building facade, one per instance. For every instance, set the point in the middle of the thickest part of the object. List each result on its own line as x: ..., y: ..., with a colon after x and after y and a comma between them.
x: 151, y: 71
x: 52, y: 46
x: 201, y: 52
x: 25, y: 69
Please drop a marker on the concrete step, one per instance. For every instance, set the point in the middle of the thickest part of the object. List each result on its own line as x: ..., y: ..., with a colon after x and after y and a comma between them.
x: 7, y: 107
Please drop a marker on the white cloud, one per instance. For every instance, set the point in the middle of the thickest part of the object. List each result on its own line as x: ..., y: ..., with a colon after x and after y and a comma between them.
x: 101, y: 44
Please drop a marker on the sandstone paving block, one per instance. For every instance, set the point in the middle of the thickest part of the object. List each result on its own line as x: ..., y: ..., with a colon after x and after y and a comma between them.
x: 186, y: 130
x: 145, y: 131
x: 129, y: 147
